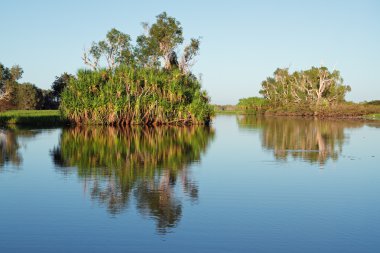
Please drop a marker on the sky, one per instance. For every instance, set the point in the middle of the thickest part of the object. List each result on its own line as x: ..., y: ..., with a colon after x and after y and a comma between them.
x: 243, y: 41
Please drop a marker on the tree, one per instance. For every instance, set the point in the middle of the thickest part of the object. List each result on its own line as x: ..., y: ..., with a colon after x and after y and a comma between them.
x: 167, y: 34
x: 189, y: 52
x: 28, y: 97
x: 59, y: 85
x: 116, y: 49
x: 315, y: 86
x: 252, y: 103
x: 5, y: 86
x: 8, y: 80
x: 16, y: 72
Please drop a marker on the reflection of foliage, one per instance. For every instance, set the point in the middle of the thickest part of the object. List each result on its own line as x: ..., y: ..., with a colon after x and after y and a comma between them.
x: 9, y: 148
x: 147, y: 161
x: 9, y: 144
x: 309, y: 139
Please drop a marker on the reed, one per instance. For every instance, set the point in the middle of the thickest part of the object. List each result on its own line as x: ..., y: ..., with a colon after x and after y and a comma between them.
x: 135, y: 96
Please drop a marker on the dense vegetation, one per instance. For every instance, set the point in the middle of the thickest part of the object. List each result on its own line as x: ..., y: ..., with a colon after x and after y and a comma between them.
x: 142, y: 162
x: 144, y: 83
x: 254, y: 104
x: 26, y: 96
x: 314, y: 87
x: 312, y: 92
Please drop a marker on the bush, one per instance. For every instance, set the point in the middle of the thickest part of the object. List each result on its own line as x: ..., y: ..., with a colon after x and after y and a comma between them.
x: 129, y: 95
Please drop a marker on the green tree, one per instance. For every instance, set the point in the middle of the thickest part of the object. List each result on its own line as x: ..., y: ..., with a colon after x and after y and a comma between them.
x: 252, y: 104
x: 16, y: 72
x: 315, y: 87
x: 8, y: 79
x: 59, y: 85
x: 136, y: 88
x: 116, y: 49
x: 166, y: 35
x: 28, y: 97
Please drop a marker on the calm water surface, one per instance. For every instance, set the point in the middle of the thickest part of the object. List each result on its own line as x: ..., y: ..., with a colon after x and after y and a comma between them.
x: 244, y: 185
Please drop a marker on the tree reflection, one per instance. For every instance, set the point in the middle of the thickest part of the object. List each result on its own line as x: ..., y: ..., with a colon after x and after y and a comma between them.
x: 146, y: 164
x: 9, y: 147
x: 312, y: 140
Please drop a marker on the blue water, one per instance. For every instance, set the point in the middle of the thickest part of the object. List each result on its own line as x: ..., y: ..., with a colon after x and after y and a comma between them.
x: 244, y: 185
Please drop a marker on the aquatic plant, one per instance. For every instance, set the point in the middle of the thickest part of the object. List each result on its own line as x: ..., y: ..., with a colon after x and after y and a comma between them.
x: 130, y: 95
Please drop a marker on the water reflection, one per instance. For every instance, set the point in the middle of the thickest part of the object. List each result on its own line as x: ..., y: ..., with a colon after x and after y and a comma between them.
x: 312, y: 140
x: 9, y: 149
x: 10, y: 145
x: 145, y: 164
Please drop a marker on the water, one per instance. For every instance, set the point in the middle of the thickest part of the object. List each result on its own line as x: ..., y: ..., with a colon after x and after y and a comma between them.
x: 244, y: 185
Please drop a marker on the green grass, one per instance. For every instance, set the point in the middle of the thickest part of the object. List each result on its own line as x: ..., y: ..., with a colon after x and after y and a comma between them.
x: 32, y: 117
x: 373, y: 116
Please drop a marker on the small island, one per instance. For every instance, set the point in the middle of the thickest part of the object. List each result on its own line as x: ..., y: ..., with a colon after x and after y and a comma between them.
x: 143, y: 83
x: 316, y: 92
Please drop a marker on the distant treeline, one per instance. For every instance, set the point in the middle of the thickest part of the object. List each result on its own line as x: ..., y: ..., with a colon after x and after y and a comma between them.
x: 26, y: 96
x: 312, y: 92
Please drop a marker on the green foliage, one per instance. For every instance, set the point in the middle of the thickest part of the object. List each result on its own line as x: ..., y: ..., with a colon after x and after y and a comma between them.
x: 32, y: 117
x: 28, y: 97
x: 155, y: 48
x: 375, y: 116
x: 131, y: 95
x: 253, y: 104
x: 59, y: 85
x: 135, y: 88
x: 313, y: 87
x: 373, y: 102
x: 116, y: 49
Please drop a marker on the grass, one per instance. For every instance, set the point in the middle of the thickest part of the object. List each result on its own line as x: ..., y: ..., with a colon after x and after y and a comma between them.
x: 31, y: 117
x: 373, y: 116
x: 135, y: 96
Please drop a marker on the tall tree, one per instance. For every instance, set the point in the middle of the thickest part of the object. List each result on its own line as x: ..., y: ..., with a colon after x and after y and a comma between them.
x: 116, y: 49
x: 315, y: 86
x: 59, y: 85
x: 167, y: 32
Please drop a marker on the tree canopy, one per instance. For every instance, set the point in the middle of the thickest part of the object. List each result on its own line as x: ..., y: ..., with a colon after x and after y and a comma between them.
x: 156, y: 47
x: 315, y: 86
x: 27, y: 96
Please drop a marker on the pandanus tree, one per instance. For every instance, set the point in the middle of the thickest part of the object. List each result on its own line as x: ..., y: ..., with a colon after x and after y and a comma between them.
x: 146, y: 83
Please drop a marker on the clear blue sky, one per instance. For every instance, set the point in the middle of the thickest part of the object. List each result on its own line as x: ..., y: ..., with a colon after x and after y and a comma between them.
x: 243, y: 41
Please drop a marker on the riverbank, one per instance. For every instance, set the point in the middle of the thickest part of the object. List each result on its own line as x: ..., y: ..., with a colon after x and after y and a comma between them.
x: 342, y: 111
x: 32, y: 118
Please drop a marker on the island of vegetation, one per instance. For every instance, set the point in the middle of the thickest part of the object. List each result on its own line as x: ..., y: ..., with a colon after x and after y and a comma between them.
x: 313, y: 92
x: 144, y: 83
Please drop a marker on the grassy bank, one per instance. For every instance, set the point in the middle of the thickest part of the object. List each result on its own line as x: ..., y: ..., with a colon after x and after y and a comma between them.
x: 373, y: 116
x: 346, y: 110
x: 32, y: 117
